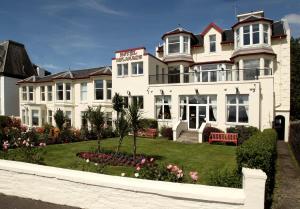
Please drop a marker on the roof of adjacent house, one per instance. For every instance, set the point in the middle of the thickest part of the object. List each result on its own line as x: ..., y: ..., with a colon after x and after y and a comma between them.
x: 14, y: 60
x: 68, y: 74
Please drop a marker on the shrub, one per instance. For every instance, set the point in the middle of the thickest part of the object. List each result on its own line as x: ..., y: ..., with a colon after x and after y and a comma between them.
x: 146, y: 123
x: 59, y: 119
x: 260, y: 152
x: 295, y: 139
x: 207, y: 130
x: 108, y: 132
x: 244, y: 133
x: 166, y: 132
x: 225, y: 177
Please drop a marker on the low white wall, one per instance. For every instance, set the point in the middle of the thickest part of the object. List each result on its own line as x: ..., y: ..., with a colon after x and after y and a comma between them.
x: 178, y: 128
x: 91, y: 190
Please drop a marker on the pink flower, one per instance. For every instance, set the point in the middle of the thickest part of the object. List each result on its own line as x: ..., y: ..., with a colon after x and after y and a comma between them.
x: 169, y: 167
x: 151, y: 159
x: 143, y: 161
x: 42, y: 144
x: 174, y: 169
x: 194, y: 175
x: 5, y: 145
x: 138, y: 168
x: 179, y: 175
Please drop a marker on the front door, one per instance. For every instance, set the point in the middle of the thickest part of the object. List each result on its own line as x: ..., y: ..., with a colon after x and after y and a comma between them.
x: 201, y: 115
x: 192, y: 117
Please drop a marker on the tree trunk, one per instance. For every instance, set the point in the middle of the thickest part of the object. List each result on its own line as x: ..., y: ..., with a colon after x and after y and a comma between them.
x: 134, y: 145
x: 98, y: 138
x: 119, y: 145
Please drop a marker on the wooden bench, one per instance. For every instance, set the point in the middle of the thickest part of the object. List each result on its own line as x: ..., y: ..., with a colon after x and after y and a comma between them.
x: 223, y: 137
x: 149, y: 133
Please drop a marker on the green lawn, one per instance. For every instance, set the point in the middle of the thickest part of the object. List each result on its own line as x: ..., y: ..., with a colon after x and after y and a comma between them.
x: 195, y: 157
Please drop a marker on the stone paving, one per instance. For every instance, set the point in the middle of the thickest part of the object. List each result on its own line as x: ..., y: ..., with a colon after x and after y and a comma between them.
x: 287, y: 191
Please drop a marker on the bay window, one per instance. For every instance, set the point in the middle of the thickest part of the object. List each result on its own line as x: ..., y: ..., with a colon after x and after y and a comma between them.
x: 251, y: 69
x: 247, y: 35
x: 108, y: 89
x: 174, y: 74
x: 212, y: 108
x: 163, y: 107
x: 237, y: 37
x: 35, y: 117
x: 50, y: 117
x: 209, y: 73
x: 185, y: 44
x: 68, y: 91
x: 59, y: 91
x: 266, y: 33
x: 122, y: 69
x: 30, y: 88
x: 255, y: 34
x: 49, y: 93
x: 183, y: 108
x: 137, y: 68
x: 69, y: 118
x: 83, y: 91
x: 23, y: 116
x: 43, y: 96
x: 212, y: 43
x: 237, y: 108
x: 267, y: 67
x: 174, y: 44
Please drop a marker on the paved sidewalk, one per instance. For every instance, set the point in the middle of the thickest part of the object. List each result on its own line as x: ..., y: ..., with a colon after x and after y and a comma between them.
x: 287, y: 191
x: 12, y: 202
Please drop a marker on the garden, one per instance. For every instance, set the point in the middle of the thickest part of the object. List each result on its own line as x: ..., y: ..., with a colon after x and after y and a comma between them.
x: 128, y: 151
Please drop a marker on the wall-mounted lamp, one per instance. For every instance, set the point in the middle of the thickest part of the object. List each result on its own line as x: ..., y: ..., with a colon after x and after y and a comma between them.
x: 128, y: 93
x: 196, y: 91
x: 161, y: 92
x: 237, y: 91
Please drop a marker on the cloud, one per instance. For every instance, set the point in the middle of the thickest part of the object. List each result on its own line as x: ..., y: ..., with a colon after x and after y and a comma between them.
x: 293, y: 18
x: 50, y: 66
x: 100, y: 7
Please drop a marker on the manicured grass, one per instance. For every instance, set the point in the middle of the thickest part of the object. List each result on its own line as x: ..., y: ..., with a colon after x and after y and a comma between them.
x: 190, y: 157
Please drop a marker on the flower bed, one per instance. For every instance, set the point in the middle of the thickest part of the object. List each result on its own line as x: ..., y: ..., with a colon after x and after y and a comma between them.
x: 111, y: 158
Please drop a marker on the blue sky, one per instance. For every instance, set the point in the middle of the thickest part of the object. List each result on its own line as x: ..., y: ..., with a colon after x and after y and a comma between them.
x: 62, y: 34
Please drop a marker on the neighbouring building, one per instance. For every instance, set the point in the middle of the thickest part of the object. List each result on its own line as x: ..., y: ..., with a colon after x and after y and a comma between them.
x: 220, y: 77
x: 15, y: 65
x: 70, y: 91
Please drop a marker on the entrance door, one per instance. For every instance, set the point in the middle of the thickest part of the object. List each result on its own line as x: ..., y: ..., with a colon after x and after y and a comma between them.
x: 201, y: 115
x: 279, y: 125
x: 192, y: 117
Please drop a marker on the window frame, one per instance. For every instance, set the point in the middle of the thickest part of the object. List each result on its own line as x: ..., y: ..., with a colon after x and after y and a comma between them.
x: 43, y: 93
x: 138, y: 99
x: 24, y: 93
x: 122, y: 65
x: 237, y: 105
x: 174, y: 42
x: 108, y: 89
x: 50, y: 116
x: 161, y: 103
x: 30, y: 93
x: 138, y: 64
x: 38, y: 117
x: 212, y: 43
x: 59, y: 91
x: 101, y: 89
x: 49, y: 98
x: 83, y: 91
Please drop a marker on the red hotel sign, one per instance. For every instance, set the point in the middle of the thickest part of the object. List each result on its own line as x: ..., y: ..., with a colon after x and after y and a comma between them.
x: 128, y: 56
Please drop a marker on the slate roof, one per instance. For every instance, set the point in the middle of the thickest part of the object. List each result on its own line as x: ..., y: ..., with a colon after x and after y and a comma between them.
x: 72, y: 75
x: 14, y: 60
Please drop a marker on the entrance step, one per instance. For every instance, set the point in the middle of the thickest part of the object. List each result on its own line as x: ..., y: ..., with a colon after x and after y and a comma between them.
x: 188, y: 137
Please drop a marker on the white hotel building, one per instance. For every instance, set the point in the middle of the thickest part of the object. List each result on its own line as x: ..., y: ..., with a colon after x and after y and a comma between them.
x: 237, y: 76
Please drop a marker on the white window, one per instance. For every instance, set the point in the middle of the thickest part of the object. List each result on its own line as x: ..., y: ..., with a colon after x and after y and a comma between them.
x: 212, y: 43
x: 267, y: 67
x: 83, y: 91
x: 108, y: 89
x: 185, y: 44
x: 69, y: 118
x: 251, y: 69
x: 43, y: 96
x: 49, y: 93
x: 122, y: 69
x: 255, y: 34
x: 68, y: 91
x: 98, y: 89
x: 237, y: 108
x: 139, y: 101
x: 183, y: 107
x: 84, y: 121
x: 50, y: 117
x: 24, y: 93
x: 237, y: 36
x: 24, y: 116
x: 246, y: 35
x: 174, y: 44
x: 163, y: 107
x: 59, y: 91
x: 137, y: 68
x: 266, y: 33
x: 35, y: 117
x: 31, y: 92
x: 209, y: 73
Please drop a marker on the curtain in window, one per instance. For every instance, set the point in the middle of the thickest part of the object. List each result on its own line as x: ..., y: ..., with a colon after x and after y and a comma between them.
x: 167, y: 112
x: 231, y: 114
x: 159, y: 111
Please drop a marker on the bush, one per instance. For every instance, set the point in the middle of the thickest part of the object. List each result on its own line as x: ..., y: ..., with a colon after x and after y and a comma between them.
x: 207, y: 130
x: 244, y: 133
x: 225, y: 178
x: 166, y: 132
x: 108, y: 133
x: 295, y: 139
x: 146, y: 123
x: 260, y: 152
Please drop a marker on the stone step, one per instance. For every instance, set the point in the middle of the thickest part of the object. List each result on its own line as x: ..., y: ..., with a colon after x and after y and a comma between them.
x: 188, y: 137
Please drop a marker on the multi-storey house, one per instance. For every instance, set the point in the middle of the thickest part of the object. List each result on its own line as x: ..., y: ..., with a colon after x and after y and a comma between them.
x: 71, y: 91
x: 219, y: 77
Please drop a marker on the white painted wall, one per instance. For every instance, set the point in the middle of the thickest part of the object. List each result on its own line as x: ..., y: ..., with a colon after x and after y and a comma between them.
x: 91, y: 190
x: 9, y: 99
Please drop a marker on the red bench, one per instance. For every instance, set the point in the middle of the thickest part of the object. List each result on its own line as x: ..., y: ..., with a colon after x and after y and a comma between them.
x: 223, y: 137
x: 149, y: 133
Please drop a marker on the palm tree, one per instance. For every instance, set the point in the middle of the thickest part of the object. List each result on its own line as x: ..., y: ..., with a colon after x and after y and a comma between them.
x: 134, y: 117
x: 118, y: 104
x: 97, y: 120
x: 122, y: 129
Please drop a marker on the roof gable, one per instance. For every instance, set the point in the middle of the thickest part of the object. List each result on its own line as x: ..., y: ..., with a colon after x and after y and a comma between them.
x: 211, y: 25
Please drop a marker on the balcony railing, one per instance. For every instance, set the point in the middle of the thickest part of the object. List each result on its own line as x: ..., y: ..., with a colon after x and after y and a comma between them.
x: 209, y: 76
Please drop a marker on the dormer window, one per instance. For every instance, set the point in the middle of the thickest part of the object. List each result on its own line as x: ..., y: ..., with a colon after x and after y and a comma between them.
x: 212, y: 43
x: 247, y: 35
x: 174, y: 44
x: 185, y: 44
x: 255, y: 34
x: 266, y: 33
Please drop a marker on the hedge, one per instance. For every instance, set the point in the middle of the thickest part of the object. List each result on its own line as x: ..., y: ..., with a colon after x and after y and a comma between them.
x: 294, y: 139
x: 260, y: 152
x: 148, y: 123
x: 244, y: 132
